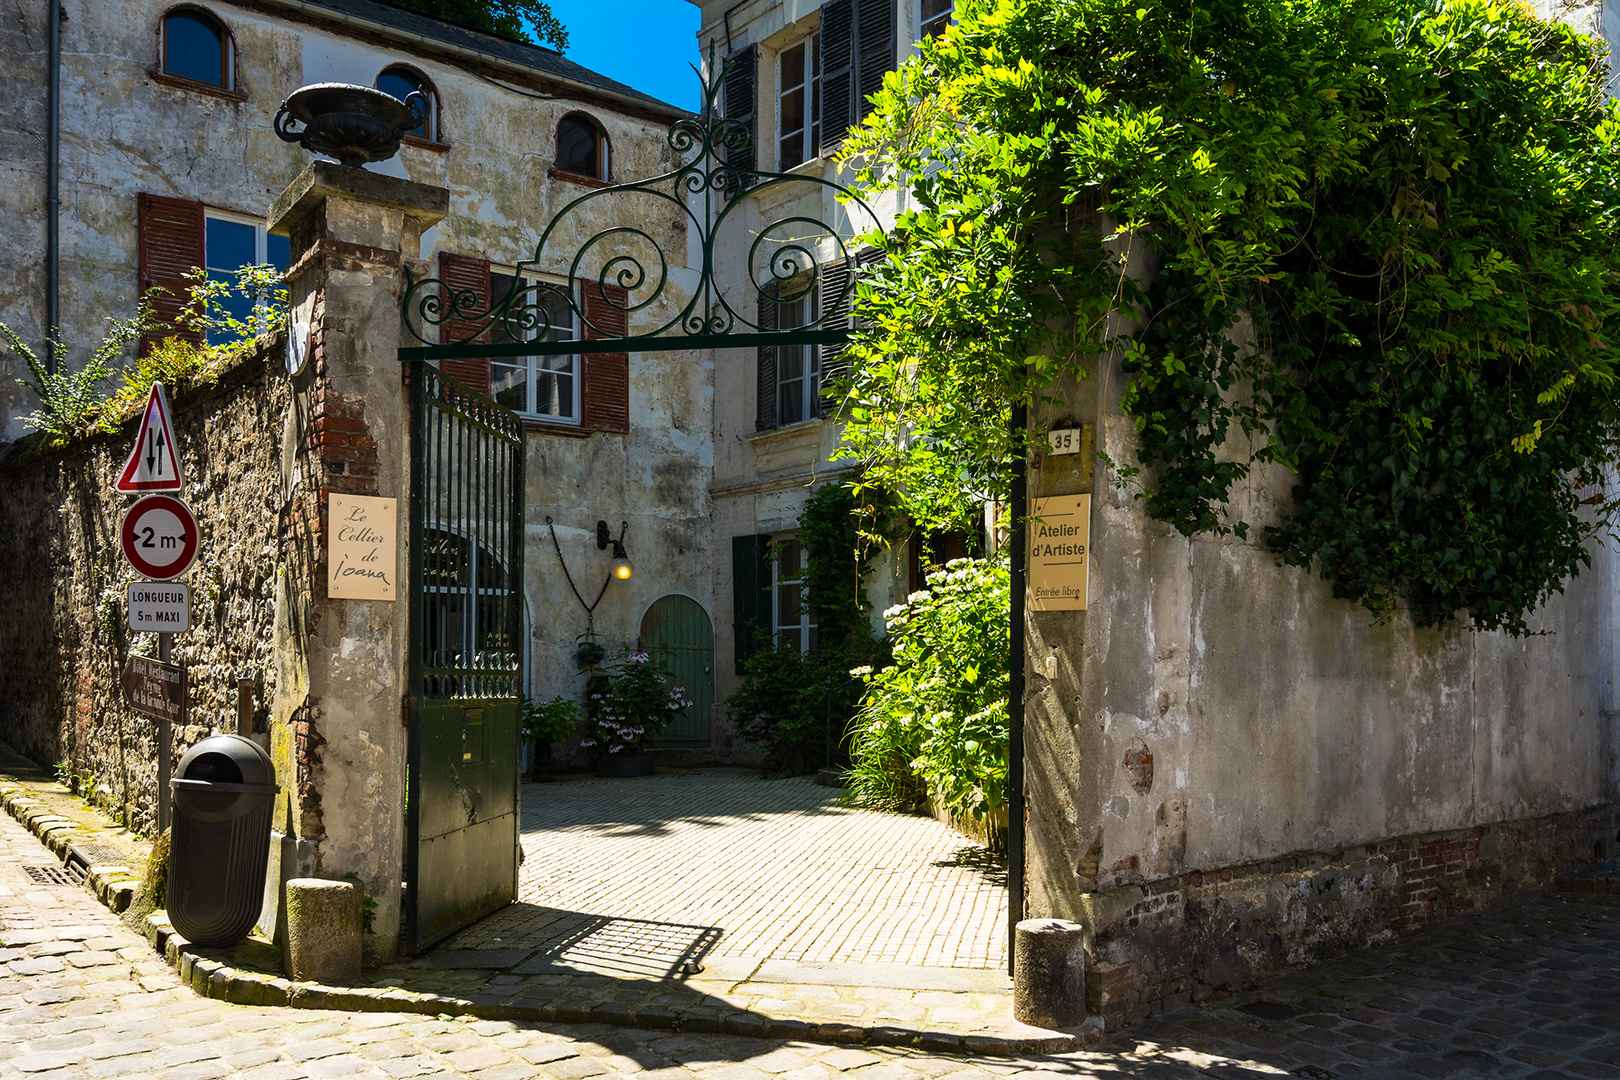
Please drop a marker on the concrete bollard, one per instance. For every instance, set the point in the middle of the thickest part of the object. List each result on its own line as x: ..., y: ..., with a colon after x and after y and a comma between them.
x: 1049, y: 973
x: 323, y: 931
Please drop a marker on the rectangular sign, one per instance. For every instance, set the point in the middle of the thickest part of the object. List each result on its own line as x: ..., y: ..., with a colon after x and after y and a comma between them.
x: 155, y: 688
x: 1059, y: 552
x: 360, y: 550
x: 1063, y: 440
x: 159, y: 607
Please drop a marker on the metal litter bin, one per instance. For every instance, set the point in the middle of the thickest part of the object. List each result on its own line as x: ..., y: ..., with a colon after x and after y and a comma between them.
x: 224, y: 793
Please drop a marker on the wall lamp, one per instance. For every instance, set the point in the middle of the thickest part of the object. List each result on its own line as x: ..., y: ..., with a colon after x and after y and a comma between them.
x: 622, y: 567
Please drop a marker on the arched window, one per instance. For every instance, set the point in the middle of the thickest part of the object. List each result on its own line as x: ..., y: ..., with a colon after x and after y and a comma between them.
x: 402, y: 82
x: 582, y: 148
x: 197, y: 46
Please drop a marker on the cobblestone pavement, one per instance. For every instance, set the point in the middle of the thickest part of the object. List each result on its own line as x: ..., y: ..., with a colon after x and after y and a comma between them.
x: 1533, y: 992
x: 722, y: 862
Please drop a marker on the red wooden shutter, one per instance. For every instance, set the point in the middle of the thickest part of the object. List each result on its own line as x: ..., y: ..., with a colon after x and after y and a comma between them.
x: 462, y: 273
x: 171, y: 245
x: 606, y: 389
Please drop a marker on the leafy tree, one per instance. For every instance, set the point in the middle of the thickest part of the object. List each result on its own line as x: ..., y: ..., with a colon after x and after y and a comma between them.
x: 528, y: 21
x: 1384, y: 233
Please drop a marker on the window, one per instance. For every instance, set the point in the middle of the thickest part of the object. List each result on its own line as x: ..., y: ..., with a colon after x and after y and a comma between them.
x: 231, y: 242
x: 933, y: 17
x: 402, y: 82
x: 545, y: 386
x: 582, y: 148
x: 790, y: 613
x: 797, y: 378
x: 197, y: 46
x: 798, y: 103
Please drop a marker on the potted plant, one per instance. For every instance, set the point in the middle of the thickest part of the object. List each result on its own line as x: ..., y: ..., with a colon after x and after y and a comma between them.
x: 629, y: 700
x: 545, y: 723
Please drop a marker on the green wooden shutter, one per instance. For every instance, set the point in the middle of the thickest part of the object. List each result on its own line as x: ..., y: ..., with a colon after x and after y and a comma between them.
x: 750, y: 593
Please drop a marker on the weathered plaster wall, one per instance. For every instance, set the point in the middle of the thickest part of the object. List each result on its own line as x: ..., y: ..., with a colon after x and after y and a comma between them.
x: 1293, y: 741
x: 123, y: 133
x: 63, y: 633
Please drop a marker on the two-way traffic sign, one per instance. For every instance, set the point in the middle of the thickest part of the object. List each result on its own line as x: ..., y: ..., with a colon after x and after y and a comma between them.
x: 154, y: 464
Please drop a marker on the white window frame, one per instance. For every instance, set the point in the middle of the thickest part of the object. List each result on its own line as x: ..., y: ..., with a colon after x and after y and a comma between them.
x: 780, y: 577
x: 531, y: 364
x: 261, y: 240
x: 809, y: 390
x: 810, y: 134
x: 949, y: 14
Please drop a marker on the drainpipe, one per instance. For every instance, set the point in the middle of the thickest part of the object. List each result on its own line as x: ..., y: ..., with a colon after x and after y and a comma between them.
x: 53, y: 155
x: 1018, y: 421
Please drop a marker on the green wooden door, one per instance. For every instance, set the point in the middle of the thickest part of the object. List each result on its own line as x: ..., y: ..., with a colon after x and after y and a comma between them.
x: 677, y: 631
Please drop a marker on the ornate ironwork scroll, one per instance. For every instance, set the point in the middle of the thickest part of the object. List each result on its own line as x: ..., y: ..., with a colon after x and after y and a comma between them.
x: 704, y: 195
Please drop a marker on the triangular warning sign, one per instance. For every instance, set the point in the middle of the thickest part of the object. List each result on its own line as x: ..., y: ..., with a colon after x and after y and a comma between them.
x: 153, y: 464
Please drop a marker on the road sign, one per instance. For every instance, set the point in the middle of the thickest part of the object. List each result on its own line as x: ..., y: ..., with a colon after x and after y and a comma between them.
x: 160, y: 537
x: 155, y: 688
x: 159, y: 607
x: 154, y: 463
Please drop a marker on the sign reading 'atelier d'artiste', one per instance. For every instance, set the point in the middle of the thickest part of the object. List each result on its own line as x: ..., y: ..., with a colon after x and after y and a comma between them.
x: 360, y: 552
x: 1059, y: 552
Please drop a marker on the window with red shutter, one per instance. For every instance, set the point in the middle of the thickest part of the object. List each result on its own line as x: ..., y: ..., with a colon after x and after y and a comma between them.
x: 171, y: 246
x: 465, y: 274
x: 606, y: 392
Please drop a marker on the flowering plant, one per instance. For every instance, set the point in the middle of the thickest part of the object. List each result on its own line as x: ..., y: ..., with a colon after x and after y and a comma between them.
x: 629, y: 700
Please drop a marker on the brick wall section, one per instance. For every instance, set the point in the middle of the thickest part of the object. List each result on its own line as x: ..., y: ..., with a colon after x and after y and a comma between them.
x: 63, y: 641
x: 1161, y: 944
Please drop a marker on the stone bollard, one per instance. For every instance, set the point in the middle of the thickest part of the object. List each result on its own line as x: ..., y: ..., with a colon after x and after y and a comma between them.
x: 323, y: 931
x: 1049, y: 973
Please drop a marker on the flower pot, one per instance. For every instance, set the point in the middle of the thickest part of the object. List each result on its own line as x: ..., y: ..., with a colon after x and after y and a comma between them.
x: 355, y: 124
x: 626, y: 763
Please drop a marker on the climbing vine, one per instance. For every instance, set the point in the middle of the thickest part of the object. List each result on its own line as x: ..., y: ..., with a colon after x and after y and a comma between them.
x: 1383, y: 242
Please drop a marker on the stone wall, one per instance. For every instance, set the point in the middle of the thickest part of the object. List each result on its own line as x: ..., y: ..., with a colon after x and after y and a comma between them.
x: 63, y: 632
x: 1230, y: 771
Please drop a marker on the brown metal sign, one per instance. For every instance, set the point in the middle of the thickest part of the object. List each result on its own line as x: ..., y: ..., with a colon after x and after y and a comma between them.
x: 155, y: 688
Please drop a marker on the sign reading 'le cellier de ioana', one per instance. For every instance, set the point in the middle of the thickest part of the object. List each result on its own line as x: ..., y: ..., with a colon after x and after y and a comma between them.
x: 360, y: 551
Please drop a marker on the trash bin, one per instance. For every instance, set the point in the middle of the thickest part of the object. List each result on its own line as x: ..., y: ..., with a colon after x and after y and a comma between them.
x: 224, y: 793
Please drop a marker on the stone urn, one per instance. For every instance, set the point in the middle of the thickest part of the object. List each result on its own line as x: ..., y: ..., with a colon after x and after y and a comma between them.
x: 354, y: 124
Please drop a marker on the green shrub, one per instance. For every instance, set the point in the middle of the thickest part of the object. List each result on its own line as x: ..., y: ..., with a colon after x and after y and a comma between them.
x: 797, y: 706
x: 629, y: 701
x: 935, y: 720
x: 548, y: 722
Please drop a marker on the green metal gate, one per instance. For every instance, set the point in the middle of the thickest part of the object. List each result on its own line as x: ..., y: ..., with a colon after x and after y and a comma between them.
x: 467, y: 656
x: 677, y: 630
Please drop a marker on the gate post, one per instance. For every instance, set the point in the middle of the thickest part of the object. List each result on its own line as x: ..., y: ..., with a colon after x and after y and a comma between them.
x: 337, y: 734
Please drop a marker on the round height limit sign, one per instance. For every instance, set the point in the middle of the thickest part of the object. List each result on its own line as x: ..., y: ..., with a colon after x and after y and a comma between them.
x: 160, y: 537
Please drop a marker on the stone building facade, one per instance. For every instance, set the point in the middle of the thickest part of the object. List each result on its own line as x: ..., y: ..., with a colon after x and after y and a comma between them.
x: 1228, y: 770
x: 166, y: 165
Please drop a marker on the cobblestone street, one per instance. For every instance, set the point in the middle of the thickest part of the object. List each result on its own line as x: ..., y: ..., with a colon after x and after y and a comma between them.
x: 1532, y: 992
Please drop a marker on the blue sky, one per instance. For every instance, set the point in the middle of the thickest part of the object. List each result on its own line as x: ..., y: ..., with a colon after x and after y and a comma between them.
x: 647, y: 44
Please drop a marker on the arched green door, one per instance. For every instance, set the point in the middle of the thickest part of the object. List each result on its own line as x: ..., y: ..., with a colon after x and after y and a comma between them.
x: 677, y: 631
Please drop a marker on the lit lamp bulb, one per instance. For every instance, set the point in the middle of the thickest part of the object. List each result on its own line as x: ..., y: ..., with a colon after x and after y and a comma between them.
x: 621, y: 563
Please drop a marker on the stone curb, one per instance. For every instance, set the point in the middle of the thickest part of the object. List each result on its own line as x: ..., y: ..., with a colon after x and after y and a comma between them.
x: 115, y: 886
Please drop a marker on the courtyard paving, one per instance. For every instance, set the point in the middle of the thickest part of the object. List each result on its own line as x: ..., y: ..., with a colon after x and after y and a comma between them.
x: 722, y: 863
x: 1531, y: 992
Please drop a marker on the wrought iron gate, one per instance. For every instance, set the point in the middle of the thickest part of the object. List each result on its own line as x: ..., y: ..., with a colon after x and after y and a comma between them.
x: 467, y: 656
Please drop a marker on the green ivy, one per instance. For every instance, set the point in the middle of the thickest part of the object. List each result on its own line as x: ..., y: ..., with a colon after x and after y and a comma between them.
x: 1384, y: 237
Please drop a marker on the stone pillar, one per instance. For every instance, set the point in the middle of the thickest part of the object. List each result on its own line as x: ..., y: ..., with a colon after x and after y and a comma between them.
x: 336, y: 732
